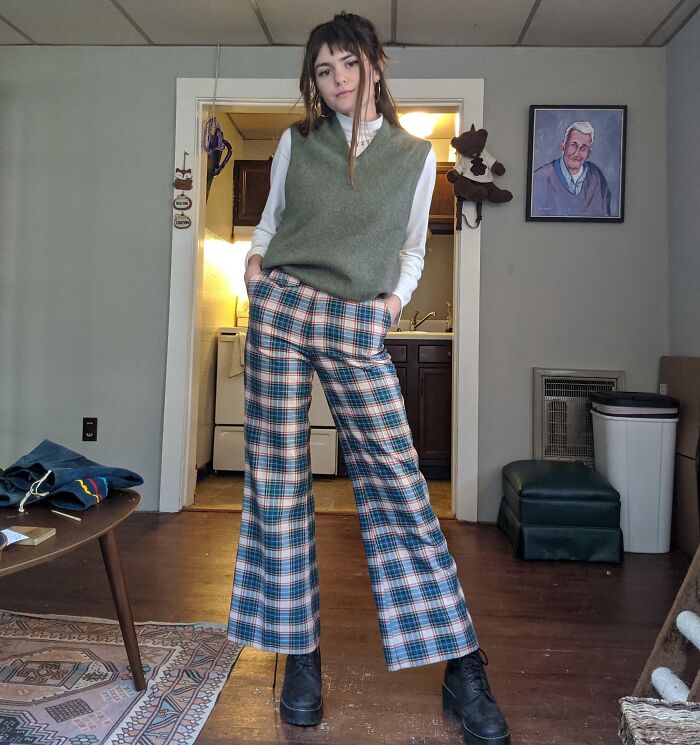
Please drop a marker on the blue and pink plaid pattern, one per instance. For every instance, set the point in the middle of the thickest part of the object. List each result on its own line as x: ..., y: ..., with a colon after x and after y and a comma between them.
x: 295, y: 329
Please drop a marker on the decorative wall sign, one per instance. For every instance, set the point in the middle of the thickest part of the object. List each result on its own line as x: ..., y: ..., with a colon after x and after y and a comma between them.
x: 576, y: 163
x: 183, y: 176
x: 182, y: 202
x: 182, y: 222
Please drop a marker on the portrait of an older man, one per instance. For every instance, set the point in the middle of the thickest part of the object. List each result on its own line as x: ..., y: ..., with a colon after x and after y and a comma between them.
x: 572, y: 185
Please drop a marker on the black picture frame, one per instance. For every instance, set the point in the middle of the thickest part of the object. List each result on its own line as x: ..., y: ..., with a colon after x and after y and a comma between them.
x: 595, y: 195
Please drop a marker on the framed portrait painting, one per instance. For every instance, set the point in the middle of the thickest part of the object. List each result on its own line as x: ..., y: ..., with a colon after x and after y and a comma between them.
x: 576, y: 163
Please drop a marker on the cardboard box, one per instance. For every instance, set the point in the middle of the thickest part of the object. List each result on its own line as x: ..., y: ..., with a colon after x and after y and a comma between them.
x: 679, y: 377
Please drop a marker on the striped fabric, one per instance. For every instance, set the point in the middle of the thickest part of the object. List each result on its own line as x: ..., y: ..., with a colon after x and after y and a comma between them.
x: 294, y: 330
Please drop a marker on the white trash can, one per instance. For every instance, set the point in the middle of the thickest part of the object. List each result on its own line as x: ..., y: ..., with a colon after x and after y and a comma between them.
x: 634, y: 438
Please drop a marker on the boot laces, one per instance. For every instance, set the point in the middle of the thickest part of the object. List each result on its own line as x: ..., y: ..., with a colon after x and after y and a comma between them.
x: 473, y: 667
x: 304, y: 660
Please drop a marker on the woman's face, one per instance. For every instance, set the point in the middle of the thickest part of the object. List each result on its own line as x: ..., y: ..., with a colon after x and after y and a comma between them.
x: 337, y: 77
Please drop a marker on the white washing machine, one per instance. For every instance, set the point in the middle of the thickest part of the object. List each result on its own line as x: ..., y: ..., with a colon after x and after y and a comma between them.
x: 229, y: 449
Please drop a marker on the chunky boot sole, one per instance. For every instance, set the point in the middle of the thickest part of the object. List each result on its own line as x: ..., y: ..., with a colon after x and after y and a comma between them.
x: 449, y: 703
x: 301, y: 717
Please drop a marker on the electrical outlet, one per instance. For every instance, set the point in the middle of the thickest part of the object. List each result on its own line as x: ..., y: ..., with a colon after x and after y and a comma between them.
x: 89, y: 429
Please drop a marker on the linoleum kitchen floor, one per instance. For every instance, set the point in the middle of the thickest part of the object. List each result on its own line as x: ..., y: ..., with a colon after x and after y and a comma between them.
x: 224, y: 492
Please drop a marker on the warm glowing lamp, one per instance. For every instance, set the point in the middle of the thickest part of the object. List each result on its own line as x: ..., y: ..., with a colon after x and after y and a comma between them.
x: 418, y: 123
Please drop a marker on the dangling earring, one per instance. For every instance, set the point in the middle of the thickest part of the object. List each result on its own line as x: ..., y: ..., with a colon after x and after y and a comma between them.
x: 379, y: 91
x: 319, y: 110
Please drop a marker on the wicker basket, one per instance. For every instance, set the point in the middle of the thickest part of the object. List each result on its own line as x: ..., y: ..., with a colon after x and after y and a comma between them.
x: 650, y: 721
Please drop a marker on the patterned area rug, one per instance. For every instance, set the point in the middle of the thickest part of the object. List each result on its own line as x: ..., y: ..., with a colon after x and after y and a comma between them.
x: 66, y: 681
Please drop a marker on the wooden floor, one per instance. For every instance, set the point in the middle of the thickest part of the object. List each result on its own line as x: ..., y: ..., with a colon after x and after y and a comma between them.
x: 333, y: 495
x: 565, y: 641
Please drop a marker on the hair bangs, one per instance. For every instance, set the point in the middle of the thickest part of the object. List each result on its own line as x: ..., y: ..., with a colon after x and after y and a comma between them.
x: 338, y: 36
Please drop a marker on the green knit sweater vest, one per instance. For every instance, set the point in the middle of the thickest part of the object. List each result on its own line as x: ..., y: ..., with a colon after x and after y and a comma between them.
x: 338, y: 239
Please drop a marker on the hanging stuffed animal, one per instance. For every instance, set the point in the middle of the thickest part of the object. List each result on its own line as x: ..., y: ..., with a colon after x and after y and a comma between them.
x: 471, y: 178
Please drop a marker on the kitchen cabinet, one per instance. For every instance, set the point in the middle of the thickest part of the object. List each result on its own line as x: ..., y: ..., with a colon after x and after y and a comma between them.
x: 424, y: 369
x: 251, y: 185
x: 442, y: 207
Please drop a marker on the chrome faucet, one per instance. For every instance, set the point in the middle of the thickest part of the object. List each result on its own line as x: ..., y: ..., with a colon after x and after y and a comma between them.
x: 448, y: 322
x: 415, y: 323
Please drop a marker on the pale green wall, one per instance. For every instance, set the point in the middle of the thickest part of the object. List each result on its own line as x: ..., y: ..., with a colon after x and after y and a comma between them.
x: 86, y: 145
x: 684, y: 189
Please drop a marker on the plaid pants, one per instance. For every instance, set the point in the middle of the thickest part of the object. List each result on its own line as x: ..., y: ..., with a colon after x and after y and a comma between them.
x: 294, y: 330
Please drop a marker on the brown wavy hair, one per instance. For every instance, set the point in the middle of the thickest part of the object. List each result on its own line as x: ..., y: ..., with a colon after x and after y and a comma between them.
x: 354, y: 34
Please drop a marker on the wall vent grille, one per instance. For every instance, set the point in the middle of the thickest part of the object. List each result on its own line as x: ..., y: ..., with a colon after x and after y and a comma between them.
x: 561, y: 420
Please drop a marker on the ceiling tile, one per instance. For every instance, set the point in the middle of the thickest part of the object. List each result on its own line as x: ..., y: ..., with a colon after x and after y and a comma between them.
x: 289, y: 27
x: 197, y: 22
x: 257, y: 126
x: 674, y: 22
x: 595, y: 23
x: 461, y: 22
x: 70, y: 21
x: 9, y: 36
x: 558, y: 23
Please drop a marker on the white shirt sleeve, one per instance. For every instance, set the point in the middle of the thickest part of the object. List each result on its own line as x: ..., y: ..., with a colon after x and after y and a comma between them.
x: 274, y: 207
x: 413, y: 249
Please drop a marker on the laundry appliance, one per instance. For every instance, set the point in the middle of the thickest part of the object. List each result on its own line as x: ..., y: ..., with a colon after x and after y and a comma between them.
x: 229, y: 448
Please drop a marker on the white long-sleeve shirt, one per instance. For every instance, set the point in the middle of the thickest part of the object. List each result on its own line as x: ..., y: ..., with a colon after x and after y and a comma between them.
x: 413, y: 250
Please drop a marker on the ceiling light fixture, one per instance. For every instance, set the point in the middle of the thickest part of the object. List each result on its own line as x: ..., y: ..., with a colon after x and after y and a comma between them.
x: 418, y: 123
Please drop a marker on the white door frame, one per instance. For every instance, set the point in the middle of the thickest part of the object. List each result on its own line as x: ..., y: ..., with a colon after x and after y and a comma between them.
x: 194, y: 95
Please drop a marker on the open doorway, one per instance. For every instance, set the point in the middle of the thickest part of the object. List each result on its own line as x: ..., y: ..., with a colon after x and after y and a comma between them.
x: 421, y: 348
x: 178, y: 473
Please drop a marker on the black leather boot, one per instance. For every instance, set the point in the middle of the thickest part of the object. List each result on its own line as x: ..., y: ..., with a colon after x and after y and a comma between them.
x: 466, y: 692
x: 300, y: 701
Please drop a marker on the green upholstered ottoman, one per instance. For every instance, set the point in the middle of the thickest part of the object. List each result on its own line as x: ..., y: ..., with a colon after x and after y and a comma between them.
x: 560, y: 510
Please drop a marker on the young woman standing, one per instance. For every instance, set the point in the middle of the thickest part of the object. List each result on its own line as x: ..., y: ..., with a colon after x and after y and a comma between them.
x: 338, y: 252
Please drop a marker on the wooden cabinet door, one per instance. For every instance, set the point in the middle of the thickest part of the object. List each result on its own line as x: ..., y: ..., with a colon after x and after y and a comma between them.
x: 402, y: 375
x: 424, y: 370
x: 442, y: 206
x: 434, y: 431
x: 251, y: 186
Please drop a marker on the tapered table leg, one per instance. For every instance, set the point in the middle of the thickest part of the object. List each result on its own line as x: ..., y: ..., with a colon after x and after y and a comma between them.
x: 115, y: 574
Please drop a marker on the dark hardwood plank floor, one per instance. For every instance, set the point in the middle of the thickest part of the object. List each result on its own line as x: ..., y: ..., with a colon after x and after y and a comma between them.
x: 565, y: 641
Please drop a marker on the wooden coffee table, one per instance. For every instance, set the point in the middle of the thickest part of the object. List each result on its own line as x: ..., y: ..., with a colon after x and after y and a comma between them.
x: 98, y: 522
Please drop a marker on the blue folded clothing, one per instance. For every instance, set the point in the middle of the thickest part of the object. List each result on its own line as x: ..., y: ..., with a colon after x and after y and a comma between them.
x: 62, y: 477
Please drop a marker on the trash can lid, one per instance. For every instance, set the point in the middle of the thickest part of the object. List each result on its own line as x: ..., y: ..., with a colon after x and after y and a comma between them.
x: 634, y: 404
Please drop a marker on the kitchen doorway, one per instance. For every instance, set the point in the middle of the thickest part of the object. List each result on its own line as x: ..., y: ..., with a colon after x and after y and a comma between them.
x: 178, y: 475
x: 234, y: 207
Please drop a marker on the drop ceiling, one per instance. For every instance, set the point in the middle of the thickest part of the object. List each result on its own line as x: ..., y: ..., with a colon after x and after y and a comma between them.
x: 539, y: 23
